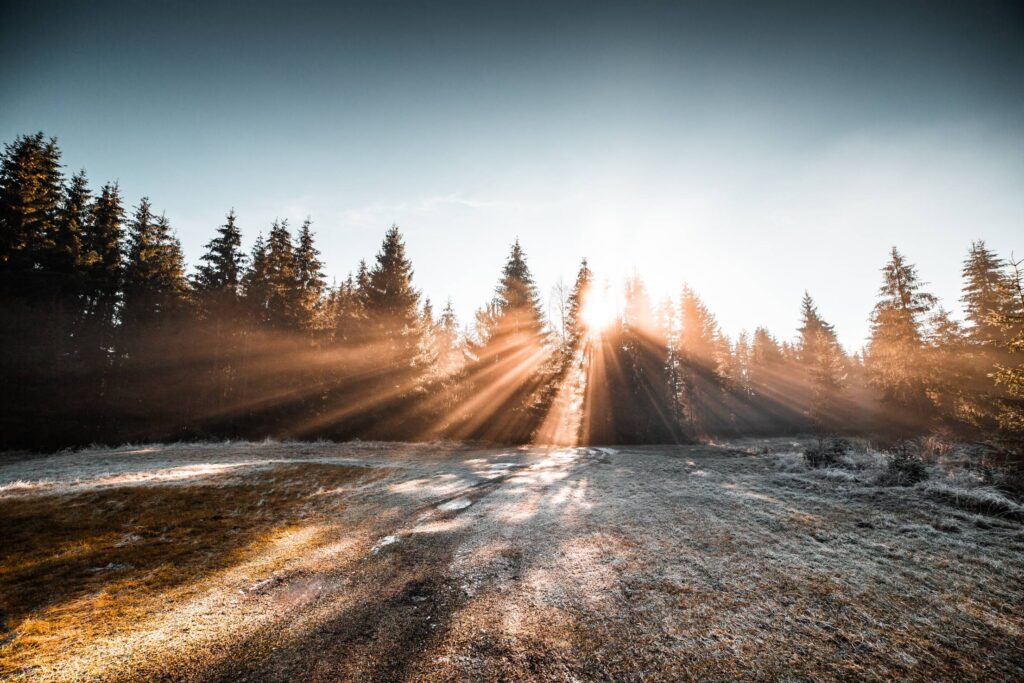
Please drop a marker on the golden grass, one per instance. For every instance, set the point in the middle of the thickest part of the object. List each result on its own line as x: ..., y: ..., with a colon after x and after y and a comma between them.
x: 91, y: 565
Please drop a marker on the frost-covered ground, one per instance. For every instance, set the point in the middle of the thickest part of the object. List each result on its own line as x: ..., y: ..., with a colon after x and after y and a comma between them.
x: 318, y: 561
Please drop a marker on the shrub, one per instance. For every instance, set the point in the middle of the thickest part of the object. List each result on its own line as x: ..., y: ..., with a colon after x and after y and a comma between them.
x: 827, y: 452
x: 904, y: 467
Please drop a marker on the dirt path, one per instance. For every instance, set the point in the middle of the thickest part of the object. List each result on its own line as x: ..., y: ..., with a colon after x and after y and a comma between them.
x: 443, y: 562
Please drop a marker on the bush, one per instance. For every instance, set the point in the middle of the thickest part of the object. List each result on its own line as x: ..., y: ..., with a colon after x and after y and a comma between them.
x: 904, y: 467
x: 827, y: 452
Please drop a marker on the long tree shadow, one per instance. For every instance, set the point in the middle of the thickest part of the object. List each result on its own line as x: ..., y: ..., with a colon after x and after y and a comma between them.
x: 93, y: 563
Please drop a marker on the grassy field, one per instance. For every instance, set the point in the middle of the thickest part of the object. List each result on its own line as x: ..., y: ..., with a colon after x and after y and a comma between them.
x: 366, y: 561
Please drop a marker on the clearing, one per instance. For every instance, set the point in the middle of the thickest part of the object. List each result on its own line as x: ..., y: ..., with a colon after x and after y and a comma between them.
x: 368, y: 561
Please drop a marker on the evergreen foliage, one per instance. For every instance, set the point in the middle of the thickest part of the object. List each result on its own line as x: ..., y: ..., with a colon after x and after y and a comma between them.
x: 104, y: 338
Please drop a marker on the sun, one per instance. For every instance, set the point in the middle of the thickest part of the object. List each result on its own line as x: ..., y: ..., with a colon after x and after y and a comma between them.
x: 598, y: 312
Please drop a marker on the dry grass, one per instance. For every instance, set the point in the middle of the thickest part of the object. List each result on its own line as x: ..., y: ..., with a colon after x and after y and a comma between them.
x: 87, y: 566
x: 443, y: 562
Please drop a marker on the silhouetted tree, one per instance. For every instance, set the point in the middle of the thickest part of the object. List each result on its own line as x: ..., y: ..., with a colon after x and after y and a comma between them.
x: 510, y: 374
x: 309, y: 271
x: 218, y: 280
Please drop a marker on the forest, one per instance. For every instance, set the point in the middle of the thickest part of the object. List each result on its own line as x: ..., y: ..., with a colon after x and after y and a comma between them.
x: 108, y: 336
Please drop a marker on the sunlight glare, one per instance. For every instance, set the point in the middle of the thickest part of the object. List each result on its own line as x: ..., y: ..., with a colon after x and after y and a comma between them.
x: 598, y: 311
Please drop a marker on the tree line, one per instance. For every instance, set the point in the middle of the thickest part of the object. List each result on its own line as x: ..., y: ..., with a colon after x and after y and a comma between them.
x: 106, y: 336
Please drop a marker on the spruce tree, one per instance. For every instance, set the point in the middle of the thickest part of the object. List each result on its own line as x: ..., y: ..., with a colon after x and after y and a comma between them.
x: 101, y: 266
x: 510, y: 371
x: 516, y: 299
x: 218, y: 290
x: 984, y: 293
x: 739, y: 374
x: 284, y: 294
x: 392, y: 304
x: 642, y: 402
x: 218, y: 279
x: 894, y: 353
x: 256, y: 283
x: 309, y: 271
x: 822, y: 363
x: 1009, y: 375
x: 815, y: 333
x: 766, y: 364
x: 577, y: 300
x: 155, y: 288
x: 450, y: 356
x: 30, y: 199
x: 63, y: 254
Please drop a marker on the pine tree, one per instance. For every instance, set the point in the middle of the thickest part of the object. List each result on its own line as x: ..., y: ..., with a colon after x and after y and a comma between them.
x: 511, y: 368
x: 894, y: 353
x: 822, y: 363
x: 64, y: 244
x: 59, y: 261
x: 984, y: 293
x: 392, y: 305
x: 309, y: 271
x: 218, y: 280
x: 739, y: 374
x: 516, y: 299
x: 766, y: 364
x: 814, y: 331
x: 284, y: 303
x: 577, y: 299
x: 1009, y: 375
x: 218, y: 289
x: 642, y: 404
x: 30, y: 198
x: 101, y: 265
x: 155, y: 288
x: 699, y: 332
x: 450, y: 357
x: 256, y: 283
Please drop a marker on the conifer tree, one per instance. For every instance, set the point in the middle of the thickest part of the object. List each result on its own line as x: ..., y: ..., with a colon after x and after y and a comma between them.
x: 392, y: 304
x: 822, y: 364
x: 739, y: 374
x: 450, y: 358
x: 642, y: 402
x: 256, y: 283
x: 101, y: 266
x: 218, y: 280
x: 155, y: 288
x: 284, y: 296
x: 766, y: 363
x: 984, y: 293
x: 1009, y: 375
x: 577, y: 299
x: 30, y: 198
x: 699, y: 332
x: 511, y: 357
x: 33, y: 311
x: 894, y: 353
x: 59, y: 263
x: 218, y: 290
x: 309, y: 271
x: 64, y: 243
x: 815, y: 333
x: 516, y: 299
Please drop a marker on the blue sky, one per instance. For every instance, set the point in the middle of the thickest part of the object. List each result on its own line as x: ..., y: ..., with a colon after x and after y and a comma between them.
x: 752, y: 151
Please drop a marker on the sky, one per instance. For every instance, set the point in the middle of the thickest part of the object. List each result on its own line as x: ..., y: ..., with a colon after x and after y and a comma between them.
x: 752, y: 150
